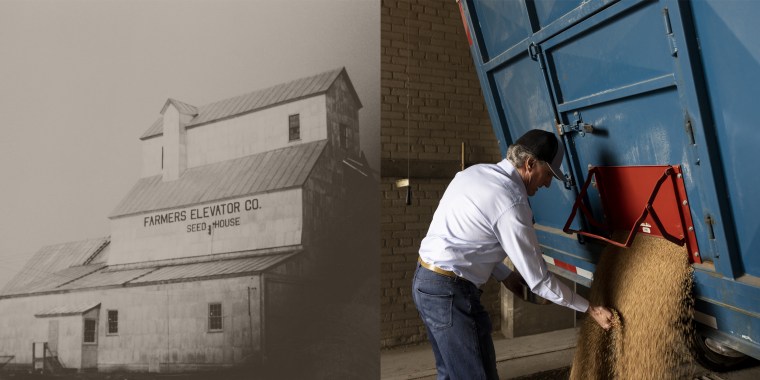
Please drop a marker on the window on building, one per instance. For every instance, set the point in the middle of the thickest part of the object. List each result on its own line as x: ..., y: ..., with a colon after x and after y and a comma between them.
x: 343, y: 129
x: 215, y: 317
x: 294, y: 127
x: 90, y: 330
x: 113, y: 322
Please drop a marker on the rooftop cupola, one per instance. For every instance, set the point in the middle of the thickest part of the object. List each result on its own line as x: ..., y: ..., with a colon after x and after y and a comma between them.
x: 176, y: 116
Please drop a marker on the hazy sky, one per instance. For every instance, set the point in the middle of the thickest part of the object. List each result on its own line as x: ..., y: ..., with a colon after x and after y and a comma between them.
x: 80, y: 81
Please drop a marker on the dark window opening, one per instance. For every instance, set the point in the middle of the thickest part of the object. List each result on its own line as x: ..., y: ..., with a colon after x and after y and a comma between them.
x: 215, y: 317
x: 90, y: 329
x: 294, y: 127
x: 113, y: 321
x: 343, y: 136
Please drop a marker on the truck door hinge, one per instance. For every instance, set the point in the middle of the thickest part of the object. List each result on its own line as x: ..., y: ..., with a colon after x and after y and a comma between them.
x: 536, y: 54
x: 669, y: 33
x: 578, y: 126
x: 690, y: 132
x: 710, y: 222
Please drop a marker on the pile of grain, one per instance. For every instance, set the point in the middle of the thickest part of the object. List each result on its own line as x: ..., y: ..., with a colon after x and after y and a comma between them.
x: 649, y: 287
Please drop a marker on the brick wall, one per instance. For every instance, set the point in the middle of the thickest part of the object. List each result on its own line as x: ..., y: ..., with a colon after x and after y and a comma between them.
x: 425, y: 60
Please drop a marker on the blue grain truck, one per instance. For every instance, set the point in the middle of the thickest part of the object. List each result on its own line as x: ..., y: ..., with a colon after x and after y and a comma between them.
x: 655, y: 102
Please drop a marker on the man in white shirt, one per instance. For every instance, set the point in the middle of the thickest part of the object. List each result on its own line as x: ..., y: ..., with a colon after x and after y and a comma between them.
x: 483, y: 217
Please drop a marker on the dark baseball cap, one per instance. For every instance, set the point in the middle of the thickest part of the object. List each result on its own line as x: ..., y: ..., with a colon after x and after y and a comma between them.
x: 545, y: 147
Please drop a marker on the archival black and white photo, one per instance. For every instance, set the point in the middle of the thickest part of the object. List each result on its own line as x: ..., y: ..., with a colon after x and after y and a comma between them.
x: 190, y: 188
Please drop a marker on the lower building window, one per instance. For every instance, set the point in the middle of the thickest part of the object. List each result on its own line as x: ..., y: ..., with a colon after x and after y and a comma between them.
x: 113, y: 322
x: 90, y: 330
x: 215, y: 317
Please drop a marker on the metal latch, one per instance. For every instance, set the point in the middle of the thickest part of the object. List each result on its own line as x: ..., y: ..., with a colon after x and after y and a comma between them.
x: 535, y: 54
x: 579, y: 126
x: 568, y: 181
x: 534, y: 51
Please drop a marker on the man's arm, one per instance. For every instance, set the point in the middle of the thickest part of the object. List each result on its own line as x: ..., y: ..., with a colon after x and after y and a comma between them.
x: 518, y: 238
x: 515, y: 283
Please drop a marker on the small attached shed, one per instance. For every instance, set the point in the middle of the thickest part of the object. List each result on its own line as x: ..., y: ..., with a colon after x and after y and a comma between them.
x: 72, y: 337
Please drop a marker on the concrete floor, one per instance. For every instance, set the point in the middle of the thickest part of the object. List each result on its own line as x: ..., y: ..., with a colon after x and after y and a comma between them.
x: 514, y: 357
x: 544, y: 356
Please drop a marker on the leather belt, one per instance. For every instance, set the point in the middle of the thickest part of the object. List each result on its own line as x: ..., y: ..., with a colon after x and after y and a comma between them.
x: 436, y: 269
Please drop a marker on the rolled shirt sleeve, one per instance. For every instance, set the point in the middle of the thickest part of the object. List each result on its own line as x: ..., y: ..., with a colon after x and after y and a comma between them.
x: 515, y: 232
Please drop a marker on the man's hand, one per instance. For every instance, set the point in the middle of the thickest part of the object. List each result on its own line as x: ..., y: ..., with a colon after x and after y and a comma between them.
x: 515, y: 284
x: 602, y: 316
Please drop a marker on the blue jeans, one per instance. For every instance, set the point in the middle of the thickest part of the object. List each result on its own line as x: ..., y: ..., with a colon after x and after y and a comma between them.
x: 458, y: 327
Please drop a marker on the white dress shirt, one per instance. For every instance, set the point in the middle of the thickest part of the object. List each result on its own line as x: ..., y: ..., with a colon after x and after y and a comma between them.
x: 483, y: 217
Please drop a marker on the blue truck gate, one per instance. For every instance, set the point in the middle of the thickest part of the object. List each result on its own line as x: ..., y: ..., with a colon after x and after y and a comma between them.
x: 629, y: 83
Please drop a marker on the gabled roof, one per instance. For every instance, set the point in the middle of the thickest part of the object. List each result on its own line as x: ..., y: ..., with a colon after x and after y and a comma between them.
x: 57, y: 264
x: 272, y: 170
x: 268, y: 97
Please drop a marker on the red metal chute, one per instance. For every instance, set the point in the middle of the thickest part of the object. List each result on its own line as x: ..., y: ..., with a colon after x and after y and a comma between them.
x: 647, y: 199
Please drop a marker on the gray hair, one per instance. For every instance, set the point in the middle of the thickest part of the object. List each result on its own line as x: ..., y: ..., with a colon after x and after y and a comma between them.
x: 518, y: 154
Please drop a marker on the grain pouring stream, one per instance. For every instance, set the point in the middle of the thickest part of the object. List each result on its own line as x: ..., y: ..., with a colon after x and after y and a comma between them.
x: 649, y: 287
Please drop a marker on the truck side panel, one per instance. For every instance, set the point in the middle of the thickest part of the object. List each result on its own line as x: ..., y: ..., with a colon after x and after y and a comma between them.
x: 662, y: 83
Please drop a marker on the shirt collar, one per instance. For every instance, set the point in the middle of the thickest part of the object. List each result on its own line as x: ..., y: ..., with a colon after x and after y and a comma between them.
x: 511, y: 172
x: 506, y: 165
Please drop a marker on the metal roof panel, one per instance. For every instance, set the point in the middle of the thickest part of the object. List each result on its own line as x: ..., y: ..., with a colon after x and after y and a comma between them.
x: 252, y: 100
x: 276, y: 170
x: 157, y: 128
x: 293, y: 176
x: 299, y: 89
x: 223, y: 180
x: 214, y: 268
x: 281, y: 94
x: 248, y: 167
x: 49, y: 264
x: 256, y: 184
x: 106, y: 278
x: 51, y: 281
x: 257, y: 165
x: 63, y: 310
